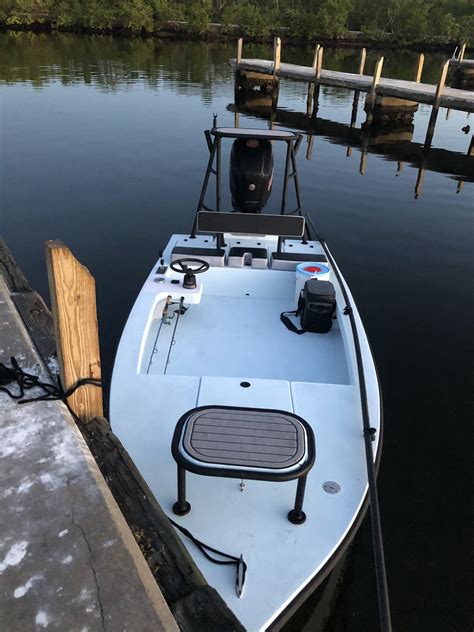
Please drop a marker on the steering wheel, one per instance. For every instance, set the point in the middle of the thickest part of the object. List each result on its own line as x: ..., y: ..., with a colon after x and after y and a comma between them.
x: 182, y: 266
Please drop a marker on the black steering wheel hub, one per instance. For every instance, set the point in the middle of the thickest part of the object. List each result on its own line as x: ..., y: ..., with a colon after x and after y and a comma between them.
x: 189, y: 267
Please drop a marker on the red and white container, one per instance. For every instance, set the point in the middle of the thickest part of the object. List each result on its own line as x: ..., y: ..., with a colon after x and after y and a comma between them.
x: 310, y: 270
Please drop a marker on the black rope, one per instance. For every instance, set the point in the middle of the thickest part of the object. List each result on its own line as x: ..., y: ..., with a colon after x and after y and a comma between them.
x: 369, y: 436
x: 241, y: 566
x: 14, y: 374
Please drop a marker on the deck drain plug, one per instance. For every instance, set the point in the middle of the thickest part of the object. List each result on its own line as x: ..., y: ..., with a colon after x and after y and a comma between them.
x: 331, y: 487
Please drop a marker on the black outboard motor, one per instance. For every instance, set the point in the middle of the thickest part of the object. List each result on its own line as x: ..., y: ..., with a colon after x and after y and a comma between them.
x: 251, y: 174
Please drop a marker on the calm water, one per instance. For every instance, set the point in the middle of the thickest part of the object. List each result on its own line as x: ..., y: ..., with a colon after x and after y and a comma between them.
x: 102, y: 147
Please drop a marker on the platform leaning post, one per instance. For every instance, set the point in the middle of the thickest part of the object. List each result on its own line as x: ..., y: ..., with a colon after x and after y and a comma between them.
x: 363, y: 56
x: 276, y: 55
x: 315, y: 58
x: 73, y: 303
x: 419, y: 68
x: 240, y: 44
x: 461, y: 52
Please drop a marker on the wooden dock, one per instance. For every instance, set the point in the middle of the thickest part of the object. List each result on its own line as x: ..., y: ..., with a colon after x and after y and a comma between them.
x: 420, y: 92
x: 437, y: 95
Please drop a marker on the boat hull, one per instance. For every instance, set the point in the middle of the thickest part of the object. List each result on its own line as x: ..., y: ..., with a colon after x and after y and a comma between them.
x: 230, y: 335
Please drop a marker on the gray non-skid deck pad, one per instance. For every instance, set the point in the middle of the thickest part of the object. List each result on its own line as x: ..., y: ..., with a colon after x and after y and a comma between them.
x: 252, y: 438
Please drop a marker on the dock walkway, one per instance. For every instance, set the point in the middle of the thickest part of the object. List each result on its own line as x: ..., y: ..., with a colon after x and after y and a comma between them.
x: 68, y: 560
x: 421, y: 92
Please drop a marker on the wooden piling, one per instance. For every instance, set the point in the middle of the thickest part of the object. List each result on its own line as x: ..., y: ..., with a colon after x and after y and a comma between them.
x: 73, y: 302
x: 276, y: 55
x: 419, y: 68
x: 319, y: 62
x: 316, y: 56
x: 376, y: 78
x: 363, y: 56
x: 441, y: 83
x: 240, y: 43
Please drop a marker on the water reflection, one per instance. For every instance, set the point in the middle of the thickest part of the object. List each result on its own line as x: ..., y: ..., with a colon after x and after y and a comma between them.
x: 394, y: 143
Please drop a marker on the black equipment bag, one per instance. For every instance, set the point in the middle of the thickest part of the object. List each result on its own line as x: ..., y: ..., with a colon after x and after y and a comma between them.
x: 316, y: 308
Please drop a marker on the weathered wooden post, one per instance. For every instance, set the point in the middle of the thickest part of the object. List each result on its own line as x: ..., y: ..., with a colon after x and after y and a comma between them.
x: 419, y: 67
x: 376, y: 78
x: 240, y: 43
x: 73, y: 302
x: 363, y: 56
x: 316, y: 57
x: 276, y: 55
x: 319, y: 62
x: 370, y: 100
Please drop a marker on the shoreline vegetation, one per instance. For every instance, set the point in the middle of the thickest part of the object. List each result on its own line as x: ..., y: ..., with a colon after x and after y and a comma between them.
x: 421, y: 24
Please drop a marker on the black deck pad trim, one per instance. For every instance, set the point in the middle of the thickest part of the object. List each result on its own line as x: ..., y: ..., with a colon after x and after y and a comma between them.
x: 298, y: 256
x: 240, y: 251
x: 203, y: 252
x: 291, y: 226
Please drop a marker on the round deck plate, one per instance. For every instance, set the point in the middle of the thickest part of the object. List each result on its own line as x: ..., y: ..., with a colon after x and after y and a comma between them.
x: 331, y: 487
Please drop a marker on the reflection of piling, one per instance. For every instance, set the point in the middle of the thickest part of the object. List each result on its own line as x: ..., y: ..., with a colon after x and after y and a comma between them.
x: 257, y: 88
x: 390, y: 111
x: 464, y: 75
x: 431, y: 128
x: 470, y: 151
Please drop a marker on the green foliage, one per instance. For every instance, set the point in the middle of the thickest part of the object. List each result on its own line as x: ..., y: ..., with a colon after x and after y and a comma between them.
x: 249, y: 17
x: 165, y: 11
x: 198, y: 15
x: 400, y: 20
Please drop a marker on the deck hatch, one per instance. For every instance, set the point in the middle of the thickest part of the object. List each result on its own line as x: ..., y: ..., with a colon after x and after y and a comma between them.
x: 270, y: 439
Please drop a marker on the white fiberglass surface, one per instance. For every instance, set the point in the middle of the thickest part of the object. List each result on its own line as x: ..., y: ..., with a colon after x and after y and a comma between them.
x: 243, y: 335
x: 234, y: 334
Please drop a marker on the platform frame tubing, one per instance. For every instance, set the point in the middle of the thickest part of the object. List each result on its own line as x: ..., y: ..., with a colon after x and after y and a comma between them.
x: 215, y: 153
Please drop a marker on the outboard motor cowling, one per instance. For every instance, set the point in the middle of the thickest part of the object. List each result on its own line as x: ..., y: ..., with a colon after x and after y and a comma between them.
x: 251, y: 174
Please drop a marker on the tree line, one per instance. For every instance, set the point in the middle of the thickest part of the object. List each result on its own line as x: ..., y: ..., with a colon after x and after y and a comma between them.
x: 400, y: 20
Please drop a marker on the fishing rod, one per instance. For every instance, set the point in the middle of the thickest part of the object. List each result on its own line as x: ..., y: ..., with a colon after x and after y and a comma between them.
x: 369, y: 437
